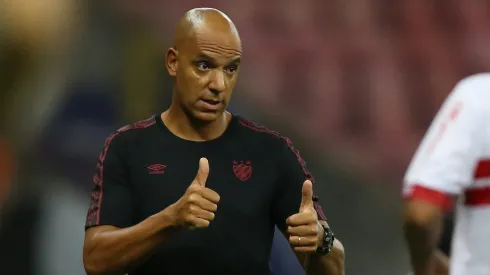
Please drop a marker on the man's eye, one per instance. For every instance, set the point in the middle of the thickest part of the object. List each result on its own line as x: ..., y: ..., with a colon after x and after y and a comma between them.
x: 203, y: 66
x: 231, y: 69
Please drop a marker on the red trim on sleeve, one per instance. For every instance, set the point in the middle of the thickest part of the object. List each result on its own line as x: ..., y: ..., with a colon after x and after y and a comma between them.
x: 319, y: 211
x: 257, y: 128
x: 441, y: 199
x: 93, y: 216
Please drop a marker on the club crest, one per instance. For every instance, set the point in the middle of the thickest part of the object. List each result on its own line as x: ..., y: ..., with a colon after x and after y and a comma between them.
x: 242, y: 169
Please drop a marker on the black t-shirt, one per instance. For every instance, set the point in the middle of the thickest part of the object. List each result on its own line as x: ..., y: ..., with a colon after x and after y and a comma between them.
x: 258, y: 174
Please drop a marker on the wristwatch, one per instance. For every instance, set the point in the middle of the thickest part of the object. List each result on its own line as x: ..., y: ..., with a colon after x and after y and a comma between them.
x: 328, y: 238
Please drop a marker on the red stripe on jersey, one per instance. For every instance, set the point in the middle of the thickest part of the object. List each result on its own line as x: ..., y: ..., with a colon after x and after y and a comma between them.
x: 96, y: 198
x: 441, y: 199
x: 483, y: 169
x: 477, y: 196
x: 257, y: 128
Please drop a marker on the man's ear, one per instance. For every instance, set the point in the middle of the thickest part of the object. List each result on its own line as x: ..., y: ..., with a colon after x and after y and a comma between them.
x: 171, y: 61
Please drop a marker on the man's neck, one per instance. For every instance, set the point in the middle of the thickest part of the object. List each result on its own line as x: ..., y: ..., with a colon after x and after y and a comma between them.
x: 181, y: 125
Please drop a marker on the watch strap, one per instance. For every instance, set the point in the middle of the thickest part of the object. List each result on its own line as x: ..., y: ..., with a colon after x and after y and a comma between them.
x: 328, y: 240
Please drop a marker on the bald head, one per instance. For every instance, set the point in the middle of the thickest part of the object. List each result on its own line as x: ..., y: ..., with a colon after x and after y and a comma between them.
x: 203, y: 24
x: 204, y: 62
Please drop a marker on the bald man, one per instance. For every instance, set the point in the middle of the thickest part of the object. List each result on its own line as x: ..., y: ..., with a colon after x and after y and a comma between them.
x: 196, y: 189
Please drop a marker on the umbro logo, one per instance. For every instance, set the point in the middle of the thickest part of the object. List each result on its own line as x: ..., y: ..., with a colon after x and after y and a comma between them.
x: 156, y: 169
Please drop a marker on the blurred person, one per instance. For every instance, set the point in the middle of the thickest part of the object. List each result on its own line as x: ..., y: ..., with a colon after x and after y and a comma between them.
x: 453, y: 160
x: 35, y: 38
x: 35, y: 233
x: 150, y: 213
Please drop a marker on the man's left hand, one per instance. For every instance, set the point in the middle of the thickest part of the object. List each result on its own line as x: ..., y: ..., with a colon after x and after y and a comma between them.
x: 304, y: 229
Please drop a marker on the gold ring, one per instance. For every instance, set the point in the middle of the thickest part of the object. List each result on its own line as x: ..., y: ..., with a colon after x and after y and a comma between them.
x: 299, y: 240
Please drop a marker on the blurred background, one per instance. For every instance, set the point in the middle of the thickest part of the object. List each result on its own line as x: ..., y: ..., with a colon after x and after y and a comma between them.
x: 354, y: 84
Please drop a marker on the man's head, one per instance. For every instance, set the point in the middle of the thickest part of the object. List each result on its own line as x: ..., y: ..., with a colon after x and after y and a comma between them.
x: 204, y: 62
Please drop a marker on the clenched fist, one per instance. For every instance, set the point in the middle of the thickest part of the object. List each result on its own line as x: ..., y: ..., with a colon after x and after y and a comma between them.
x: 197, y: 206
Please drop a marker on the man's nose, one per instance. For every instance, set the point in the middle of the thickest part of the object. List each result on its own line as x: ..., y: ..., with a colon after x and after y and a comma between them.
x: 217, y: 82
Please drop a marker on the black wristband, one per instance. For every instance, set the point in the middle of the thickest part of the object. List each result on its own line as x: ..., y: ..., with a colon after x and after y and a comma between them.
x: 328, y: 239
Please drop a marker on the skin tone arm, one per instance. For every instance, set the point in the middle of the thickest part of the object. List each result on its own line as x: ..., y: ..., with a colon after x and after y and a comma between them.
x: 423, y: 227
x: 112, y: 250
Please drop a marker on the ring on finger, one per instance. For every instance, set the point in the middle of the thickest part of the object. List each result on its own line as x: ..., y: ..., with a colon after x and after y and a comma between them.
x: 299, y: 240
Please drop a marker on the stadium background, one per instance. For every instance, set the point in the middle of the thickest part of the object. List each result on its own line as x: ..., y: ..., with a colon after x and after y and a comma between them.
x: 354, y: 84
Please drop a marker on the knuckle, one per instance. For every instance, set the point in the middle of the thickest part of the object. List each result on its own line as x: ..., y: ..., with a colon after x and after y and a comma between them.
x: 193, y: 198
x: 192, y: 187
x: 193, y: 208
x: 314, y: 230
x: 188, y: 217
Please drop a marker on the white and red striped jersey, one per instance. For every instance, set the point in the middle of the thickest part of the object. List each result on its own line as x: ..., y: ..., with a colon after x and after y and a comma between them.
x: 453, y: 159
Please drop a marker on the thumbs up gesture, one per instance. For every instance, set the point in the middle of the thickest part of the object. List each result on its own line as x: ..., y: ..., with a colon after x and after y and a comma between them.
x: 303, y: 227
x: 196, y: 208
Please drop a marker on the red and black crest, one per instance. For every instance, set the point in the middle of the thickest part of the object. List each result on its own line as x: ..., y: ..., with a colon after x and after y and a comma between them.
x: 242, y: 169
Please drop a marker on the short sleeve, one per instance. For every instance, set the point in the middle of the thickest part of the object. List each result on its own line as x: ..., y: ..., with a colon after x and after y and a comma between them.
x: 111, y: 198
x: 293, y: 174
x: 445, y: 161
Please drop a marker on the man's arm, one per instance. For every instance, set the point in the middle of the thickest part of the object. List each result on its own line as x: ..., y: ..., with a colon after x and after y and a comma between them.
x: 112, y: 250
x: 423, y: 227
x: 418, y: 231
x: 287, y: 204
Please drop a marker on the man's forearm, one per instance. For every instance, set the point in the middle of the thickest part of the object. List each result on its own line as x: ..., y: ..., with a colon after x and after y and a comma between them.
x: 422, y: 242
x: 330, y: 264
x: 117, y: 251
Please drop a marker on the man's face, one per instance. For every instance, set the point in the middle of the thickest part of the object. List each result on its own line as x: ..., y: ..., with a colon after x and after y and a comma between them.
x: 205, y: 71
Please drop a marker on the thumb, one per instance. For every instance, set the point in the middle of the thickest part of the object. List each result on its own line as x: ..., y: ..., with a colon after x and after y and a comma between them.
x: 307, y: 195
x: 203, y: 172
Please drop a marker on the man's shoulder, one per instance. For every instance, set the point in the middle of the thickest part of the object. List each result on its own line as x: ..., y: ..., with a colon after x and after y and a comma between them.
x: 473, y: 88
x: 470, y: 95
x: 131, y: 131
x: 261, y: 133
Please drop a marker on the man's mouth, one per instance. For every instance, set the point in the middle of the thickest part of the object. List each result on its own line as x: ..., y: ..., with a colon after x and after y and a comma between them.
x: 210, y: 104
x: 211, y: 101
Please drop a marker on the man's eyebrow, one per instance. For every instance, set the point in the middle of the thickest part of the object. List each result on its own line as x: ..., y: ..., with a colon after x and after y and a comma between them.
x: 236, y: 60
x: 205, y: 57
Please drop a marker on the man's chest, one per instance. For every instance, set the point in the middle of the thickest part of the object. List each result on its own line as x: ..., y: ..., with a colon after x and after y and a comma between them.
x: 246, y: 179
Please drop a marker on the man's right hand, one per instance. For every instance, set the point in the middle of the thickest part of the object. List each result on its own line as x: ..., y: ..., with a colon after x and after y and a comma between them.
x: 197, y: 206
